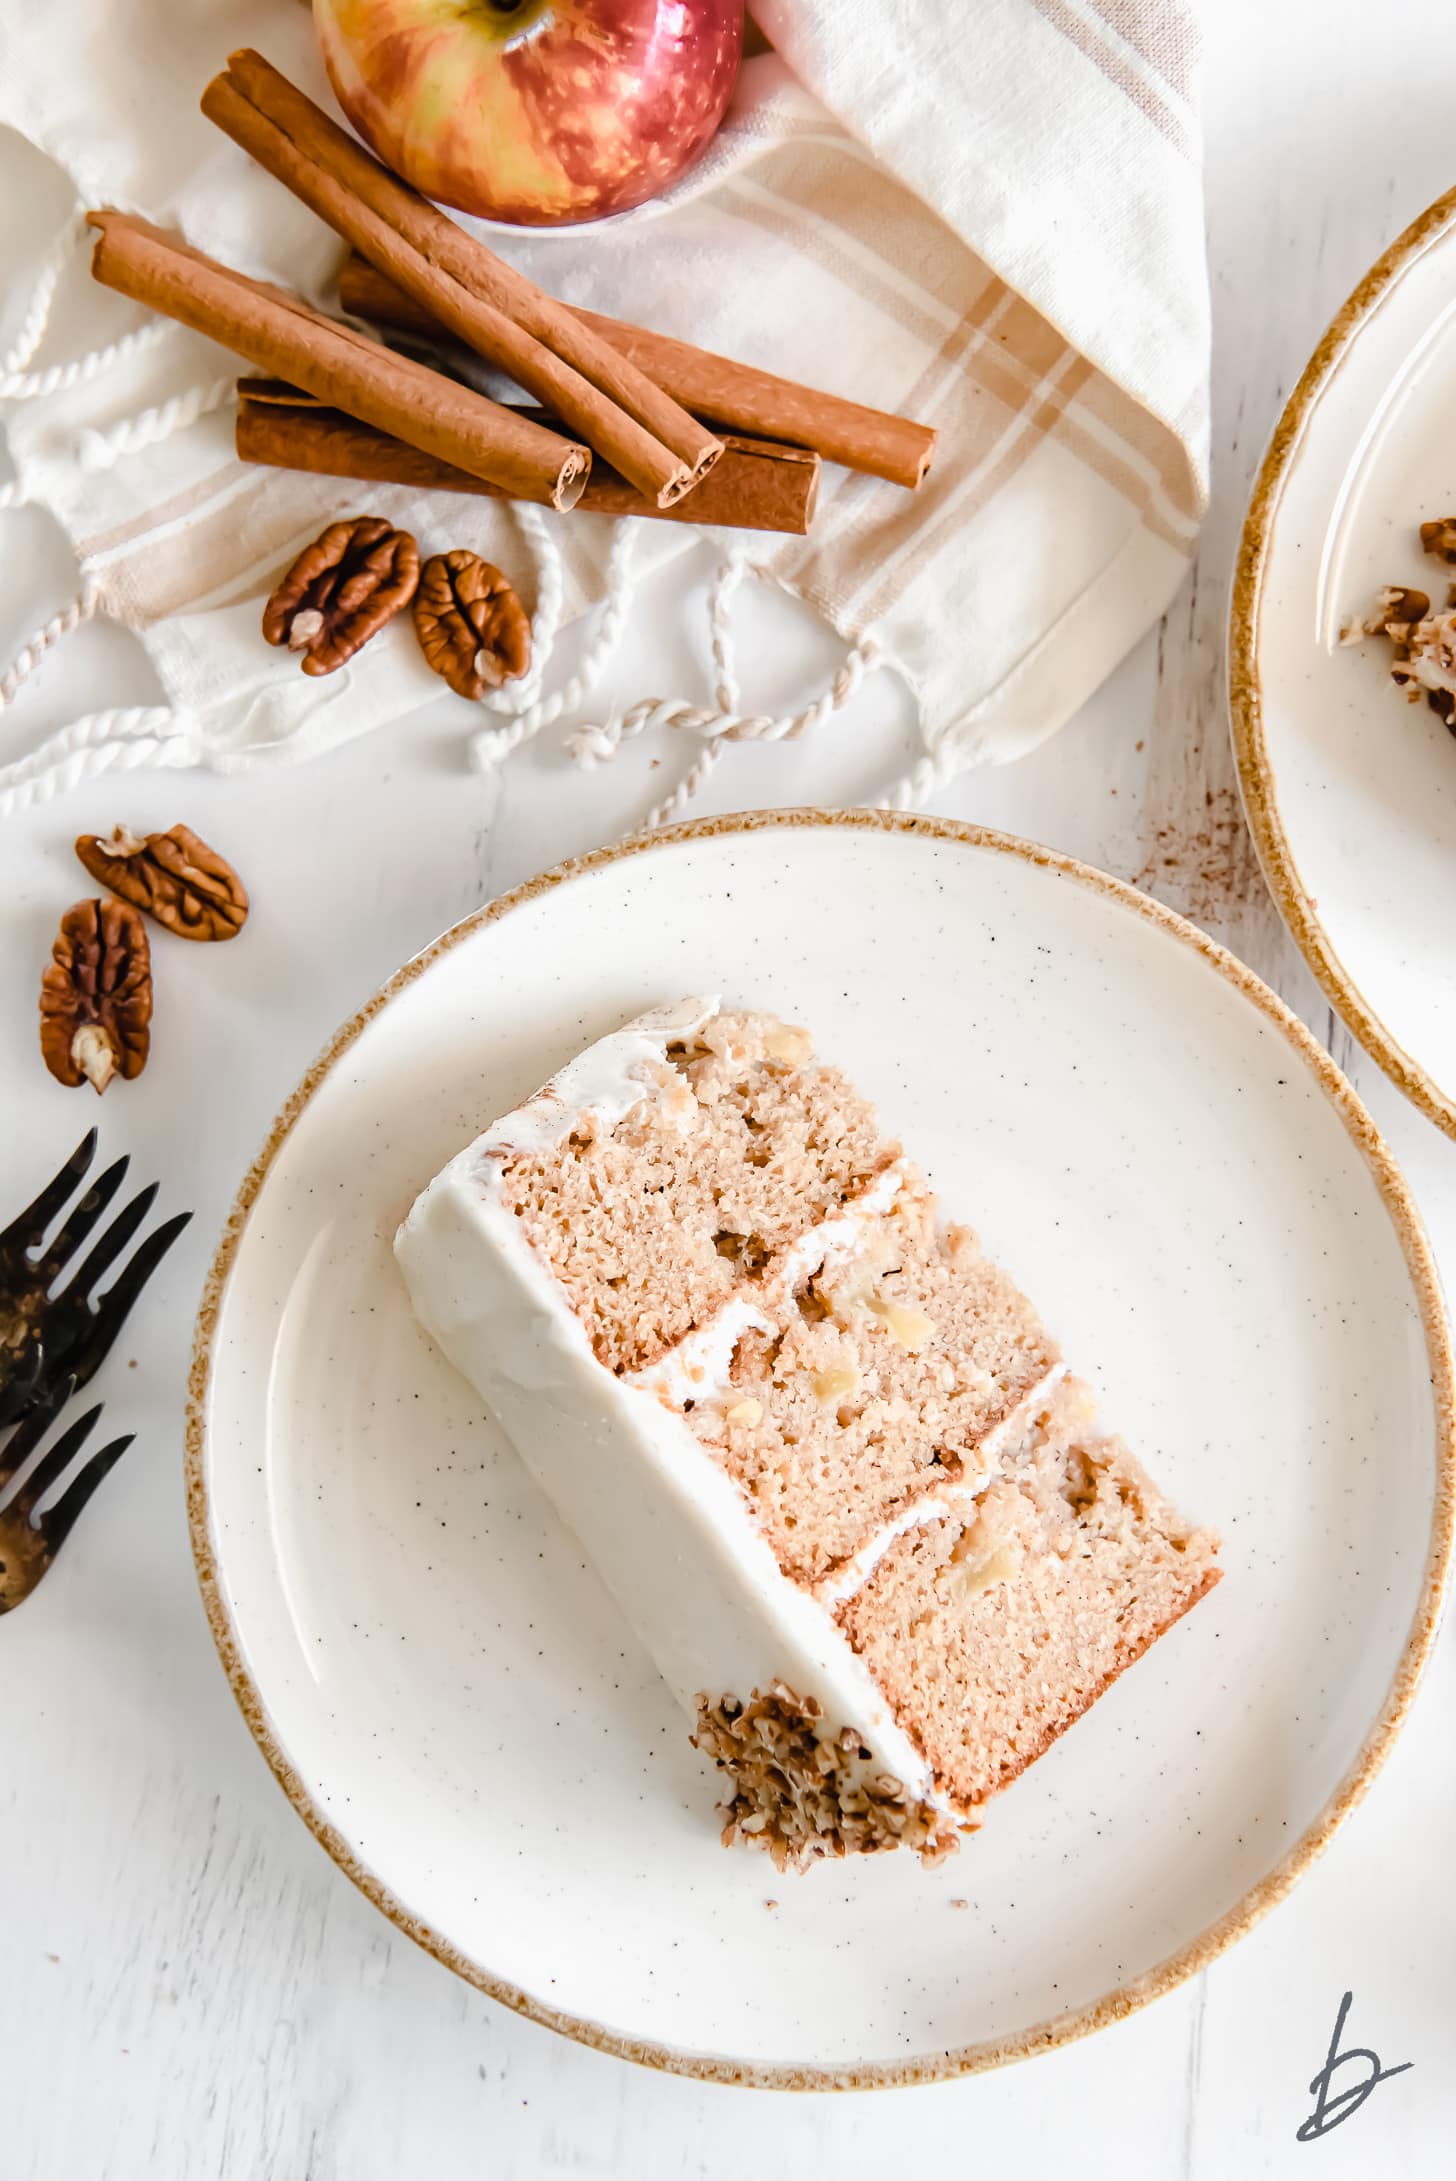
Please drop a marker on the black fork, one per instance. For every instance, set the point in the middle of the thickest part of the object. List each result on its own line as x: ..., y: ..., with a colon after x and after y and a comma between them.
x: 44, y: 1337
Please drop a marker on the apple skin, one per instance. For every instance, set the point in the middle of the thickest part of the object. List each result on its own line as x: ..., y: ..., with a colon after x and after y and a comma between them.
x: 542, y: 112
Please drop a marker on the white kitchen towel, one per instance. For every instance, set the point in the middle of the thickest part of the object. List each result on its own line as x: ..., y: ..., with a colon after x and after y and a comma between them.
x: 988, y: 217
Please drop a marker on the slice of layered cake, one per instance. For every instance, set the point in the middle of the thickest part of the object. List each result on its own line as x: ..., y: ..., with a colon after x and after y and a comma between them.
x: 820, y: 1449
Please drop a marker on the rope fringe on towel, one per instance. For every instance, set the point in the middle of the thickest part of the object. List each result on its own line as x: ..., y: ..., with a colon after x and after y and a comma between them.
x: 591, y: 746
x: 99, y: 450
x: 125, y: 739
x: 729, y: 574
x: 724, y: 722
x: 83, y: 607
x: 492, y: 744
x: 18, y: 384
x: 60, y: 378
x: 546, y: 621
x: 916, y: 787
x: 43, y: 295
x: 529, y: 713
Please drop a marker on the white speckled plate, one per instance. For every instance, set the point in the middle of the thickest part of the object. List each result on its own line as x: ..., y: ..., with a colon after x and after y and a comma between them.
x: 1350, y: 792
x: 1178, y: 1176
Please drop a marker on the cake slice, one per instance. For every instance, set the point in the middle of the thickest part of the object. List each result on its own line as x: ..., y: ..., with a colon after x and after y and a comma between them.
x: 819, y: 1447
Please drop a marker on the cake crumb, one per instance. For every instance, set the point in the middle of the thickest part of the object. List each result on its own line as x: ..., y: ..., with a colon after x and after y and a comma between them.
x: 1201, y: 868
x: 959, y: 1903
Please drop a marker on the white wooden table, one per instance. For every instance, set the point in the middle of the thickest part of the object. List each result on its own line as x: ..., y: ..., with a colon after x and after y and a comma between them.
x: 187, y: 1986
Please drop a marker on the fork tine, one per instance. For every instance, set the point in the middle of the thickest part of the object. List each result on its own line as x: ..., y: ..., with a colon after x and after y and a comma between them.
x: 105, y: 1252
x: 31, y: 1225
x: 23, y: 1374
x: 57, y: 1523
x: 81, y: 1221
x: 129, y: 1283
x: 54, y: 1463
x: 83, y: 1359
x: 27, y: 1435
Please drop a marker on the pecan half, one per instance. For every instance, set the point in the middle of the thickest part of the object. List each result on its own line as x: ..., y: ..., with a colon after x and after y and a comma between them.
x: 174, y: 876
x: 96, y: 996
x: 341, y: 590
x: 473, y: 630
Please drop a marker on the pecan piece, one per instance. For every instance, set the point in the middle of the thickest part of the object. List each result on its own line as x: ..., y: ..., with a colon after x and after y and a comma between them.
x: 1397, y: 611
x: 174, y: 876
x: 1439, y: 538
x: 341, y: 590
x: 473, y: 630
x: 96, y: 996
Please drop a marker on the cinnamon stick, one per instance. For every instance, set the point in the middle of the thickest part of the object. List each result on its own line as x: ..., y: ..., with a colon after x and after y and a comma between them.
x: 281, y: 334
x: 735, y: 396
x: 757, y: 484
x: 613, y: 406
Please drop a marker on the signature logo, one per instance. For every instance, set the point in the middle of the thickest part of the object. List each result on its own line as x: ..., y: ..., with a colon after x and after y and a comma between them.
x: 1330, y: 2110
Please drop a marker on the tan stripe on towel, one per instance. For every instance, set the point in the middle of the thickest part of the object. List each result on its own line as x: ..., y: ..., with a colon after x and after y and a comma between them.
x: 903, y: 267
x: 1145, y: 90
x: 1001, y: 345
x: 219, y: 483
x: 1114, y: 438
x: 1001, y: 348
x: 1147, y: 465
x: 1153, y: 443
x: 225, y: 538
x: 1165, y: 36
x: 887, y: 575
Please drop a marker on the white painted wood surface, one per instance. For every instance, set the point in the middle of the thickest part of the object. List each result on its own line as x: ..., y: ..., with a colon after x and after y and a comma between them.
x: 187, y: 1987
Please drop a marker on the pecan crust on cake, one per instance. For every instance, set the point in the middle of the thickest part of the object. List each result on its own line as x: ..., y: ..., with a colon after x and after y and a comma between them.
x: 802, y: 1797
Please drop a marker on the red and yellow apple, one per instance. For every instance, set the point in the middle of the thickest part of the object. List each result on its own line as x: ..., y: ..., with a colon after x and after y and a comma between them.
x: 535, y: 111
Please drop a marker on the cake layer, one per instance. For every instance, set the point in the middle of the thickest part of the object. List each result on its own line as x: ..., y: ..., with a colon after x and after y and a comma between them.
x: 887, y: 1373
x: 738, y: 1142
x: 991, y: 1628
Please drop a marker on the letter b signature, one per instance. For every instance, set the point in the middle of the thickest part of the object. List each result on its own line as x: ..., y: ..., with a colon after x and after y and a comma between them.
x: 1330, y: 2110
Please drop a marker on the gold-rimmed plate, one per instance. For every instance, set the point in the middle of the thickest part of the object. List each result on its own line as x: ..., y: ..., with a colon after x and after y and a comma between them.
x: 1161, y: 1155
x: 1350, y: 792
